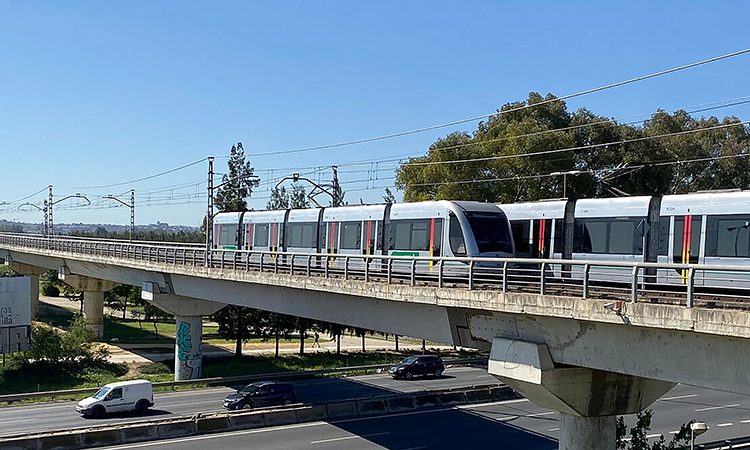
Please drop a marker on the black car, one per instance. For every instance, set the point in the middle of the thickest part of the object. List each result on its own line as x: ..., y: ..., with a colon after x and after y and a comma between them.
x: 260, y: 394
x: 414, y: 366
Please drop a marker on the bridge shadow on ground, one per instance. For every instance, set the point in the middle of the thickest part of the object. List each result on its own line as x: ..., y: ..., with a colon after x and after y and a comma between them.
x: 444, y: 429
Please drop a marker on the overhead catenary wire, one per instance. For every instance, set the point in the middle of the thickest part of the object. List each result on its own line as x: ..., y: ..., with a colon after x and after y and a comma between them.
x: 510, y: 110
x: 580, y: 147
x: 626, y: 121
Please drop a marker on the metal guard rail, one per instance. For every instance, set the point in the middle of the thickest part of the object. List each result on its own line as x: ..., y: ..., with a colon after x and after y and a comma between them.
x: 492, y: 273
x: 9, y: 398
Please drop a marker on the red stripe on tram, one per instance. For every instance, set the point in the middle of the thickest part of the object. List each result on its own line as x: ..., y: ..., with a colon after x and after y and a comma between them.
x: 369, y: 236
x: 540, y: 244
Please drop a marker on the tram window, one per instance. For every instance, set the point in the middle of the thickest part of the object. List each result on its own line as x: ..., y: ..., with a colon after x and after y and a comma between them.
x: 420, y: 235
x: 609, y: 236
x: 301, y: 234
x: 621, y: 237
x: 261, y: 235
x: 456, y: 237
x: 400, y: 235
x: 728, y: 236
x: 663, y: 236
x: 415, y: 235
x: 559, y: 235
x: 521, y: 230
x: 227, y: 234
x: 351, y: 235
x: 491, y: 232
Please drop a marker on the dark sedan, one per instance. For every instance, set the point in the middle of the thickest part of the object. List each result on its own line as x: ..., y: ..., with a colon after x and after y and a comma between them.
x: 414, y: 366
x: 260, y: 394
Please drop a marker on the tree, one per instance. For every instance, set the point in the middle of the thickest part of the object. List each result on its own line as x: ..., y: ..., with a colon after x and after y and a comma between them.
x: 238, y: 323
x: 513, y: 156
x: 639, y: 432
x: 235, y: 321
x: 338, y: 193
x: 298, y: 199
x: 279, y: 199
x: 238, y: 184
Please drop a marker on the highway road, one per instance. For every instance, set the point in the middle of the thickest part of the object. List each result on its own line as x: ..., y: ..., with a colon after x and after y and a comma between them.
x: 507, y: 424
x: 61, y: 416
x: 513, y: 422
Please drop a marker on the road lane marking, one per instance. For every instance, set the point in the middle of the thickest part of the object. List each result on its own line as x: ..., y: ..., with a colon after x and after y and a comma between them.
x: 711, y: 408
x: 322, y: 441
x: 727, y: 424
x: 507, y: 418
x: 678, y: 397
x: 745, y: 421
x: 3, y: 422
x: 554, y: 429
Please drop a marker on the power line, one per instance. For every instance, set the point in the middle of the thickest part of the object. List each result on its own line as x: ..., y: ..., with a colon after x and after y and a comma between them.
x: 526, y: 106
x: 583, y: 171
x: 137, y: 180
x: 580, y: 147
x: 703, y: 107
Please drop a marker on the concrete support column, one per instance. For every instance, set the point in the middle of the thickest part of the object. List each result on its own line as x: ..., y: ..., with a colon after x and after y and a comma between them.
x: 588, y: 400
x: 33, y: 272
x: 93, y: 298
x: 93, y: 312
x: 189, y: 313
x: 578, y: 432
x: 34, y: 296
x: 189, y: 360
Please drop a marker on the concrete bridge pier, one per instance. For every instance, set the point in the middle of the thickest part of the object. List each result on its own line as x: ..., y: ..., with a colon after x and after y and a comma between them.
x: 32, y: 272
x: 189, y: 313
x: 93, y: 298
x: 588, y: 400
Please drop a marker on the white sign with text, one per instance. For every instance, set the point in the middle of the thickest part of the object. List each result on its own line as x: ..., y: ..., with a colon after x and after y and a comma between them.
x: 15, y: 302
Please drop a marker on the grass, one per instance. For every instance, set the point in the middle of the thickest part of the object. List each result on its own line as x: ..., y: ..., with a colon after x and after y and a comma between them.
x: 129, y: 331
x: 212, y: 367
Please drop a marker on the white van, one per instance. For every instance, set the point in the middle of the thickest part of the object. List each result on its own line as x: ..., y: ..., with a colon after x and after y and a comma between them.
x: 135, y: 395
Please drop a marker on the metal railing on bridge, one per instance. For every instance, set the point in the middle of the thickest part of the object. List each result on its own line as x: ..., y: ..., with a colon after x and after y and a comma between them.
x: 684, y: 284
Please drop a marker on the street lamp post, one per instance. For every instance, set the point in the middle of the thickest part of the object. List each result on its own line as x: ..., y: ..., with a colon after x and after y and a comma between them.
x: 696, y: 429
x: 130, y: 205
x: 44, y: 210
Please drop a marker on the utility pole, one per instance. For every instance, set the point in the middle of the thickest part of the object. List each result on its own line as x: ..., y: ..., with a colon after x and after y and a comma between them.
x: 131, y: 205
x: 210, y: 208
x: 50, y: 223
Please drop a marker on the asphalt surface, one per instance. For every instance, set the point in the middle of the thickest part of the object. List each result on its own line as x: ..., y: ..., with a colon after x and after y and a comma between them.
x: 62, y: 416
x: 511, y: 424
x: 507, y: 424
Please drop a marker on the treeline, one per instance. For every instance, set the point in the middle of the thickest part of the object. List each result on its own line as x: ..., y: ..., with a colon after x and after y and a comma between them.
x: 145, y: 235
x: 521, y: 154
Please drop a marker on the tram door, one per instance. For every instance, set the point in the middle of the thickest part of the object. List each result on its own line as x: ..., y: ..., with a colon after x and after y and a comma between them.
x: 532, y: 237
x: 686, y: 242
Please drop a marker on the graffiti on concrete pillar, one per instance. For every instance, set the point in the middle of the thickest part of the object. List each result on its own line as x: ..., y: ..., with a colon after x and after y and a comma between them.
x: 188, y: 354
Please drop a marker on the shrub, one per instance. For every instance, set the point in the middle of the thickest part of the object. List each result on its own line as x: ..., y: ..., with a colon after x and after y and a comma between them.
x: 155, y: 369
x: 50, y: 290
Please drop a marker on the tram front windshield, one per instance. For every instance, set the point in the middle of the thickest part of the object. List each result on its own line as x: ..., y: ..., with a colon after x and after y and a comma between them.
x: 490, y: 232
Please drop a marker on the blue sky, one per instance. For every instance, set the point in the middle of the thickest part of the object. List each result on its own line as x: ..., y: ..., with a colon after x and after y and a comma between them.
x: 95, y: 93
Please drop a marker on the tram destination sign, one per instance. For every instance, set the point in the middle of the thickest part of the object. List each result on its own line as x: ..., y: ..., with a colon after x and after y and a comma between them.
x: 15, y: 314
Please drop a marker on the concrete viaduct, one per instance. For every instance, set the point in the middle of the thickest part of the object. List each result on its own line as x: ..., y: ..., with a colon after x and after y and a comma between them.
x: 588, y: 358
